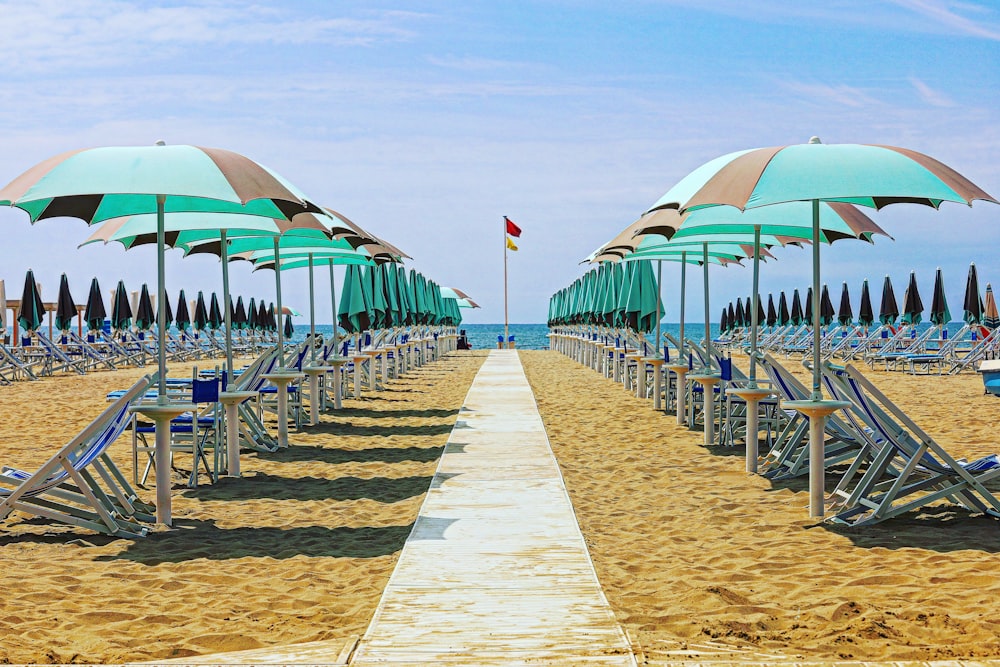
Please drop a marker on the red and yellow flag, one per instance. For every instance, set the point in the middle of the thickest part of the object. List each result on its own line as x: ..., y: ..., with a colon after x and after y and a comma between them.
x: 512, y: 229
x: 510, y: 244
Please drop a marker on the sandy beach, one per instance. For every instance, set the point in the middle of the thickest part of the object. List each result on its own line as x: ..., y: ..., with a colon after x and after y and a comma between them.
x: 696, y: 555
x: 298, y: 550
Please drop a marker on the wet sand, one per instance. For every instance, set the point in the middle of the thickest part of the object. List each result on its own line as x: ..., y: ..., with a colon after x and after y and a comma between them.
x: 297, y: 550
x: 701, y: 560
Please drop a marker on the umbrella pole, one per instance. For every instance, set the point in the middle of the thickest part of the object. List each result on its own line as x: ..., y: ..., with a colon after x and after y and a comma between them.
x: 232, y: 407
x: 682, y: 357
x: 277, y: 289
x: 659, y: 281
x: 336, y: 360
x: 161, y: 289
x: 228, y: 316
x: 312, y: 312
x: 756, y: 304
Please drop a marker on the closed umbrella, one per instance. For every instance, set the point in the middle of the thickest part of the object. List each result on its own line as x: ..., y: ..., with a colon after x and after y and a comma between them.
x: 200, y: 320
x: 733, y: 318
x: 784, y: 317
x: 183, y: 318
x: 95, y: 312
x: 761, y: 315
x: 215, y: 318
x: 940, y: 314
x: 826, y: 312
x: 32, y: 310
x: 263, y: 321
x: 991, y: 317
x: 807, y: 315
x: 272, y: 318
x: 121, y: 310
x: 973, y: 303
x: 866, y: 316
x: 240, y: 321
x: 724, y: 321
x: 913, y: 306
x: 144, y: 318
x: 740, y: 320
x: 772, y: 314
x: 289, y: 329
x: 888, y: 309
x: 65, y: 306
x: 845, y: 314
x: 796, y: 316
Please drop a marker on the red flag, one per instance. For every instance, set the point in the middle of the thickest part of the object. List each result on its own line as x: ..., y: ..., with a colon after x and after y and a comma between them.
x: 512, y: 229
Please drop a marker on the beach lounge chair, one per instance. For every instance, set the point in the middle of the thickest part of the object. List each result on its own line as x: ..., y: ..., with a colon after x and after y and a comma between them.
x: 56, y: 360
x: 908, y: 469
x: 986, y: 348
x: 80, y: 485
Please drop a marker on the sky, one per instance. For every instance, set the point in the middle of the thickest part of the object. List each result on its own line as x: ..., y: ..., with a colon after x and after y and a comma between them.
x: 428, y: 121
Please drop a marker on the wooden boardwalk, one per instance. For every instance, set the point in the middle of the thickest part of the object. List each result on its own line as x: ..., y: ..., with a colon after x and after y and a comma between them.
x: 496, y: 570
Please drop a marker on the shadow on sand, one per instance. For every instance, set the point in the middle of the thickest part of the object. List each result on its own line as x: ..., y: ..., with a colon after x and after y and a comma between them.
x: 276, y: 487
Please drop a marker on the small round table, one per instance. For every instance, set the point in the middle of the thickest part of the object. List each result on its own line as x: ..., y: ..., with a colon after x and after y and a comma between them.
x: 161, y: 414
x: 817, y: 411
x: 680, y: 370
x: 753, y: 397
x: 708, y: 382
x: 231, y: 400
x: 281, y: 378
x: 314, y: 373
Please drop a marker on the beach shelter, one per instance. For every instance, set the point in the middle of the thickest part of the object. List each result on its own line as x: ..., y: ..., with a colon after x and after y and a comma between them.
x: 121, y: 310
x: 826, y: 312
x: 65, y: 306
x: 913, y: 306
x: 215, y: 318
x: 888, y: 310
x: 772, y: 313
x: 991, y: 317
x: 784, y: 317
x: 866, y: 316
x: 252, y: 315
x: 32, y: 310
x: 95, y: 313
x: 972, y: 305
x: 200, y: 320
x: 183, y: 318
x: 144, y: 318
x: 845, y: 314
x: 940, y: 314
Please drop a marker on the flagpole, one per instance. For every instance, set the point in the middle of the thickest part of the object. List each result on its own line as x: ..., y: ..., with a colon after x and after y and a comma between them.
x: 506, y: 337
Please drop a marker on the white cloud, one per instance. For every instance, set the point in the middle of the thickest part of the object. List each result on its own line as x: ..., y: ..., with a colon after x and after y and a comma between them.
x: 931, y: 96
x: 840, y: 94
x: 945, y: 13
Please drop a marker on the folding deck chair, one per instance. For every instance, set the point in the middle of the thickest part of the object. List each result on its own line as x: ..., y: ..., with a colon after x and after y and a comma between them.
x: 65, y: 489
x: 905, y: 467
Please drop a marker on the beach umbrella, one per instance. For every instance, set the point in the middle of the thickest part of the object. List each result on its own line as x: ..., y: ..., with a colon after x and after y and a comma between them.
x: 991, y: 317
x: 845, y: 314
x: 784, y: 318
x: 374, y: 283
x: 866, y: 316
x: 65, y: 306
x: 642, y: 302
x: 807, y: 314
x: 738, y: 311
x: 183, y: 319
x: 272, y: 318
x: 826, y: 312
x: 888, y: 309
x: 144, y: 318
x: 353, y: 312
x: 761, y: 315
x: 732, y: 317
x: 289, y: 329
x: 772, y: 314
x: 95, y: 312
x: 724, y: 321
x: 121, y: 310
x: 940, y: 315
x: 215, y: 318
x: 252, y: 319
x: 200, y: 313
x: 263, y: 321
x: 796, y: 316
x: 32, y: 310
x: 239, y: 315
x: 972, y: 304
x: 168, y: 314
x: 913, y: 307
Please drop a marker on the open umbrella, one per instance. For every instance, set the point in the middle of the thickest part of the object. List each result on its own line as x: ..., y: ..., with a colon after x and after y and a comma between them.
x: 845, y: 315
x: 183, y: 318
x: 888, y: 310
x: 866, y: 316
x: 973, y: 303
x: 32, y: 310
x: 772, y: 314
x: 826, y: 312
x: 121, y: 310
x: 215, y: 318
x: 991, y: 318
x: 144, y: 317
x: 913, y: 307
x: 65, y: 306
x: 940, y: 314
x: 200, y: 320
x: 95, y: 312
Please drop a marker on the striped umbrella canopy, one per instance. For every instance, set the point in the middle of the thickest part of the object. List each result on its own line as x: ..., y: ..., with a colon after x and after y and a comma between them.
x: 940, y: 314
x: 65, y: 306
x: 784, y: 318
x: 866, y: 316
x: 973, y: 303
x: 888, y: 309
x: 772, y: 314
x: 144, y: 317
x: 95, y: 312
x: 826, y: 312
x: 200, y: 321
x: 121, y: 309
x: 913, y: 306
x: 796, y: 316
x: 183, y: 318
x: 215, y: 318
x: 32, y: 310
x: 991, y: 317
x: 845, y: 314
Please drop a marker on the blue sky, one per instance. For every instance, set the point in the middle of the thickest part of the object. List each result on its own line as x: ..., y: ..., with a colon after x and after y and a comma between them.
x: 428, y: 121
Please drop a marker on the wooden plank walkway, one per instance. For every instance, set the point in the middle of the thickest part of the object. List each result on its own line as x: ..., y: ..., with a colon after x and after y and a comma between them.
x: 495, y: 570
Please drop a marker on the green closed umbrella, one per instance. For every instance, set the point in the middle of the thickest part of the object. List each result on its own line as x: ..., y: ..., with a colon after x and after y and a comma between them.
x: 214, y: 313
x: 200, y: 321
x: 95, y: 312
x: 144, y: 317
x: 121, y: 310
x: 353, y: 312
x: 183, y: 319
x: 940, y: 314
x: 65, y: 306
x: 32, y: 310
x: 913, y: 306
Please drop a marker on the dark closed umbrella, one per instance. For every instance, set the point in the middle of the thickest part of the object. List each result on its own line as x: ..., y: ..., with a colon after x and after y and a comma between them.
x: 32, y: 310
x: 272, y: 320
x: 888, y: 311
x: 845, y: 314
x: 239, y: 316
x: 913, y: 307
x: 991, y: 318
x: 200, y: 313
x: 183, y: 318
x: 731, y: 317
x: 973, y: 303
x: 262, y: 323
x: 214, y: 313
x: 866, y: 316
x: 740, y: 320
x: 121, y: 311
x: 144, y: 317
x: 252, y: 314
x: 168, y: 313
x: 940, y: 314
x: 65, y: 306
x: 796, y: 316
x: 724, y: 321
x: 772, y: 314
x: 289, y: 329
x: 748, y: 312
x: 761, y: 315
x: 783, y: 316
x: 95, y: 312
x: 826, y: 312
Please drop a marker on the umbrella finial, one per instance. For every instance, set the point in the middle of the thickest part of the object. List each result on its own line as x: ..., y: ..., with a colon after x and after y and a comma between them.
x: 815, y: 140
